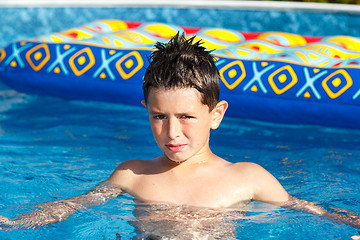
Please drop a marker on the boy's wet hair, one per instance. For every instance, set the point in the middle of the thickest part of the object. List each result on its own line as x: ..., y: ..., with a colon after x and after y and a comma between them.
x: 183, y: 63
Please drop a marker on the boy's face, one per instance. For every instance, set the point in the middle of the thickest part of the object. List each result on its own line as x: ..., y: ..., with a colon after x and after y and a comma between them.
x: 180, y: 122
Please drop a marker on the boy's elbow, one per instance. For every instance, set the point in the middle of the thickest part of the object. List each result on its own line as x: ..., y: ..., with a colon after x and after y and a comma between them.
x: 280, y: 199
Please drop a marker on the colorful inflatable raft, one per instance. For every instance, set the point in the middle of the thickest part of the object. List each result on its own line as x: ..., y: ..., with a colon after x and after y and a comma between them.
x: 269, y: 76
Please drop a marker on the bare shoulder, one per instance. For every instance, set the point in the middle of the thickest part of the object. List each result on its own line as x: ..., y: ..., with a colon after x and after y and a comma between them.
x: 243, y: 172
x: 246, y: 165
x: 126, y: 172
x: 249, y: 169
x: 265, y: 186
x: 131, y: 165
x: 251, y: 173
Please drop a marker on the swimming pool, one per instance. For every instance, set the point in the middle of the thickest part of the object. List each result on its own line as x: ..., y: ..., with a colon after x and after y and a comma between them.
x: 52, y: 149
x: 22, y: 20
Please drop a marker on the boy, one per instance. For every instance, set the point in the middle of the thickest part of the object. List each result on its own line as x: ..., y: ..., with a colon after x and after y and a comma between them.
x: 181, y: 92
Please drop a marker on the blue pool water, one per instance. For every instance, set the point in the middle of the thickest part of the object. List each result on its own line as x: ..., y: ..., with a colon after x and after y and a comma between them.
x: 22, y: 23
x: 53, y: 149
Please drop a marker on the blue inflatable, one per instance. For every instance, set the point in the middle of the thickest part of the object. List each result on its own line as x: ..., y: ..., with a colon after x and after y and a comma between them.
x: 276, y: 77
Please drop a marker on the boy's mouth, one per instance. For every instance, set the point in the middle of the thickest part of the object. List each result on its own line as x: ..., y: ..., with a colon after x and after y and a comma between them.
x: 175, y: 147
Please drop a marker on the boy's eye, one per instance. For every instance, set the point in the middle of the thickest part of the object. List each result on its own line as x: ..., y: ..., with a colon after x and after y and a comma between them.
x: 186, y: 117
x: 159, y: 117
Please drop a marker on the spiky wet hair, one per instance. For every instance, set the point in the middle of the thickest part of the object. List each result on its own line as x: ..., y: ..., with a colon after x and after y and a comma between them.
x: 183, y: 63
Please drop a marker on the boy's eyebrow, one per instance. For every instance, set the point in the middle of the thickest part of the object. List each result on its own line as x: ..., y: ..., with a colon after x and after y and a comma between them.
x: 155, y: 112
x: 177, y: 114
x: 185, y: 113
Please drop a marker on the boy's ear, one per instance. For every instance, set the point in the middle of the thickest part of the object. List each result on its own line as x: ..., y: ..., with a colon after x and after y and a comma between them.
x: 143, y: 103
x: 218, y: 113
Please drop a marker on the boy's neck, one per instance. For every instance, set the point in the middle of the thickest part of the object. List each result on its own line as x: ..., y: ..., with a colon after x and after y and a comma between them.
x: 191, y: 163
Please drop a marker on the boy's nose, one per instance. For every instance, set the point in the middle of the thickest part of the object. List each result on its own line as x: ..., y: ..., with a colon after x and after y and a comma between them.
x: 174, y: 128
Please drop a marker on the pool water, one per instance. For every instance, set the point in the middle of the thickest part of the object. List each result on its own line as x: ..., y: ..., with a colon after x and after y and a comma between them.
x: 53, y: 149
x: 27, y: 22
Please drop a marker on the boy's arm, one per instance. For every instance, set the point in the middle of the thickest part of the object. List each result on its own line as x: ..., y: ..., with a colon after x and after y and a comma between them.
x: 268, y: 189
x: 337, y: 215
x: 52, y: 212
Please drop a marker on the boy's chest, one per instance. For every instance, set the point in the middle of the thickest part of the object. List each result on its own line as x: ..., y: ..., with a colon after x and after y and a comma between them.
x: 212, y: 192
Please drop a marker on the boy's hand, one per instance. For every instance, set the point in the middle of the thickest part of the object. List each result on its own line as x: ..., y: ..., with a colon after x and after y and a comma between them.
x: 356, y: 237
x: 59, y: 210
x: 6, y: 223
